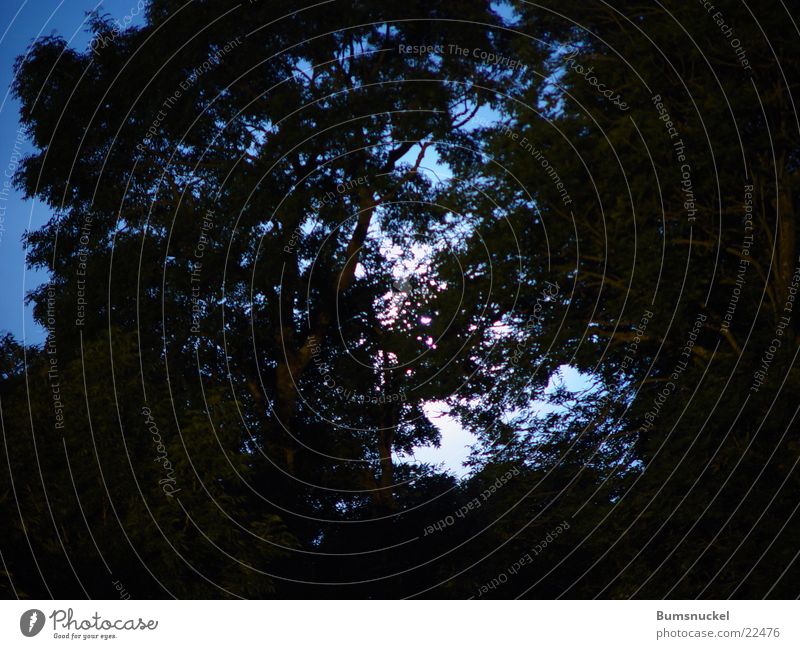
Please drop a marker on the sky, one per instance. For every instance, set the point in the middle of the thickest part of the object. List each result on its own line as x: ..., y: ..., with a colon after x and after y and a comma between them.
x: 21, y: 21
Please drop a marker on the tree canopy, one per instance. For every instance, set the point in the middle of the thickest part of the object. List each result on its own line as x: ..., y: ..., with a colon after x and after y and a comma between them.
x: 281, y: 232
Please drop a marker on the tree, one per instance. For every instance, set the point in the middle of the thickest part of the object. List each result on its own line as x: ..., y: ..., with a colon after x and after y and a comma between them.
x: 280, y: 232
x: 679, y: 239
x: 250, y: 183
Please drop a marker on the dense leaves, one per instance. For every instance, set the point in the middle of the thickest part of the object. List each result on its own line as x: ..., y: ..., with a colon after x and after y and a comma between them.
x: 278, y: 236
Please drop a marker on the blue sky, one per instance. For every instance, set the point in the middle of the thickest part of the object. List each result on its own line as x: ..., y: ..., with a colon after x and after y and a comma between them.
x: 21, y: 21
